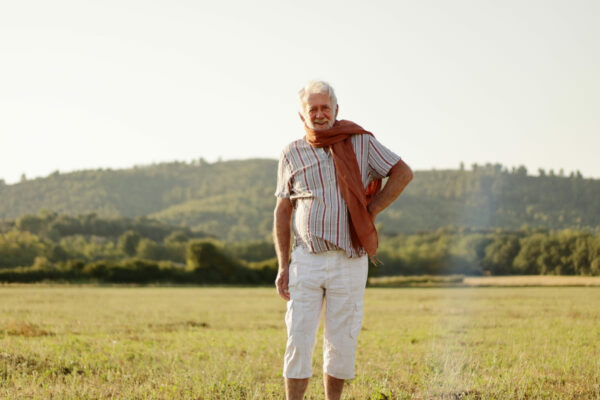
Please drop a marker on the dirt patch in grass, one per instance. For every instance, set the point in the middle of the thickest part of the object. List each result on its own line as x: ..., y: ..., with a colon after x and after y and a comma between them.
x: 462, y: 395
x: 23, y: 328
x: 16, y: 361
x: 174, y: 326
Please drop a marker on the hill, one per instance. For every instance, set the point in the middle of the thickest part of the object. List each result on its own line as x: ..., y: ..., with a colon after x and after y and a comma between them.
x: 234, y: 200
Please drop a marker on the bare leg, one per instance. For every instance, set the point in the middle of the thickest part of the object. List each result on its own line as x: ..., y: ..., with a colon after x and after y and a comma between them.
x: 333, y: 387
x: 295, y: 388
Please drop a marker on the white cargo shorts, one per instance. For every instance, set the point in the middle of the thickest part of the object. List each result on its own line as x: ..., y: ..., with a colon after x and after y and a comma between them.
x: 339, y: 281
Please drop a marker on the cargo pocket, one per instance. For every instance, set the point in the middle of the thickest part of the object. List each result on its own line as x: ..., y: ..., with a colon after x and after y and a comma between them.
x: 356, y: 323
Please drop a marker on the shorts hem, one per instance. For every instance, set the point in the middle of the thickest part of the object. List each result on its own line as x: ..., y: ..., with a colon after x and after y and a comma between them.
x: 294, y: 377
x: 339, y: 376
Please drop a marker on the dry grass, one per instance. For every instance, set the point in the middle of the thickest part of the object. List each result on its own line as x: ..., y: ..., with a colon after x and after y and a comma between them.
x: 533, y: 280
x: 484, y: 281
x: 227, y: 343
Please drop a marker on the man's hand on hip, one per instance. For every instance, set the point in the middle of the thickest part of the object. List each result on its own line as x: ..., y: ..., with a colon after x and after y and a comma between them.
x: 282, y: 282
x: 398, y: 177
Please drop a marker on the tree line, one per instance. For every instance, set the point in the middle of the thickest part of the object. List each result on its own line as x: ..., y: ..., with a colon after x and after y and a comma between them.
x: 468, y: 251
x: 50, y: 246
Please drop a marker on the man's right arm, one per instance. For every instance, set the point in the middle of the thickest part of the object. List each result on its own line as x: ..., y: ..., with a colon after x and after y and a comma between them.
x: 282, y: 235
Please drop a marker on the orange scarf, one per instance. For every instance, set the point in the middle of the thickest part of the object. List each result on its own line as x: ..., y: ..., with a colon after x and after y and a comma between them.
x: 337, y: 138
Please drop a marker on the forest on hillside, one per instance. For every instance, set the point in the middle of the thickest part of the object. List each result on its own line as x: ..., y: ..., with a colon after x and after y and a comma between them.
x: 233, y: 200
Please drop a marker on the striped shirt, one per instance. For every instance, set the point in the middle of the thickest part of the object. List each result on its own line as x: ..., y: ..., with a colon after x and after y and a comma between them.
x: 306, y: 175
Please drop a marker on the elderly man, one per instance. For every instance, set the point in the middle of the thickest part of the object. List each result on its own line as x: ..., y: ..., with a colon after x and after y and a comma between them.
x: 329, y: 183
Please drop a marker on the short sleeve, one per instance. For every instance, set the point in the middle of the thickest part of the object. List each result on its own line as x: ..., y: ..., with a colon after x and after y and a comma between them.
x: 284, y: 178
x: 381, y: 159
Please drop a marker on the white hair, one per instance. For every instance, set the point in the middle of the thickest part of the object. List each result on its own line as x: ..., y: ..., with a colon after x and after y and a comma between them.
x: 316, y: 87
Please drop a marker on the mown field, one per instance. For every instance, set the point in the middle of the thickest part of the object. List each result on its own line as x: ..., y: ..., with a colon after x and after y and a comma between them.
x: 86, y: 342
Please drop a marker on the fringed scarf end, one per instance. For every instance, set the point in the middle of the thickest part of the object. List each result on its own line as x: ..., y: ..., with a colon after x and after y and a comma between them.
x: 374, y: 260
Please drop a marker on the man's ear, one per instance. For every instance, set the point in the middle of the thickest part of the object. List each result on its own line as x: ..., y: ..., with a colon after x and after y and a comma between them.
x: 337, y: 109
x: 301, y: 117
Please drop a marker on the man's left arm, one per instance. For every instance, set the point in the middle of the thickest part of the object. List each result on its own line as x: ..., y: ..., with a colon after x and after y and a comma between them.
x: 399, y: 177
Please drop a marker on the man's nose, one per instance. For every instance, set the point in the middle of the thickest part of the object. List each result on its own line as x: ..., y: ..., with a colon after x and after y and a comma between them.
x: 320, y: 114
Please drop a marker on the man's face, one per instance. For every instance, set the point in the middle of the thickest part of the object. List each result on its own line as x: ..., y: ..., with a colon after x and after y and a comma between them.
x: 319, y: 112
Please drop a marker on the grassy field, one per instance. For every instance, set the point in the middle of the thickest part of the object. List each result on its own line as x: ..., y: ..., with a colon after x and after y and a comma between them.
x: 69, y: 342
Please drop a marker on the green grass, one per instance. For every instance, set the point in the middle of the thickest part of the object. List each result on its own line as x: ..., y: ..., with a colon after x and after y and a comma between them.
x: 69, y: 342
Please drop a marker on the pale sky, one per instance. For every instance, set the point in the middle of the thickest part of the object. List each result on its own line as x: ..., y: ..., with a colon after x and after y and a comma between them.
x: 96, y: 84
